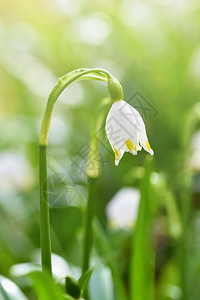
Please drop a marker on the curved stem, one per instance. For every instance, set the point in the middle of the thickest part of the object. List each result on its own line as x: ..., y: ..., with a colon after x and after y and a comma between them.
x: 63, y: 82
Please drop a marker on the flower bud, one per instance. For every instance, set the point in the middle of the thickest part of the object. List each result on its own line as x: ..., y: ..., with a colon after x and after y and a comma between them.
x: 115, y: 89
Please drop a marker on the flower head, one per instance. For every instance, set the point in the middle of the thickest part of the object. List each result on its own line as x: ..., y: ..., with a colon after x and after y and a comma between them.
x: 125, y: 130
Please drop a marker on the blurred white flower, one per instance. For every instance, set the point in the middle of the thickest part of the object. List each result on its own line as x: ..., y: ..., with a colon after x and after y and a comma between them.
x: 15, y: 172
x: 60, y: 267
x: 11, y: 289
x: 195, y: 147
x: 122, y: 209
x: 101, y: 281
x: 125, y: 130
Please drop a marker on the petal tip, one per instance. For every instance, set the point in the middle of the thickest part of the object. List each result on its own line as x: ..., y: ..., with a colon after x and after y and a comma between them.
x: 151, y: 152
x: 116, y: 162
x: 134, y: 152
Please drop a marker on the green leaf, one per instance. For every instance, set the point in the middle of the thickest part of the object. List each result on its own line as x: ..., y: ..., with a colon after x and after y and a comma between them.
x: 9, y: 290
x: 45, y: 287
x: 68, y: 297
x: 72, y: 287
x: 143, y: 253
x: 108, y: 254
x: 83, y: 280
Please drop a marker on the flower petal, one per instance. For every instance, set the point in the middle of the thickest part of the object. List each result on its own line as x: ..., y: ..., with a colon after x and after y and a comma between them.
x: 121, y: 125
x: 143, y: 136
x: 130, y: 146
x: 118, y: 155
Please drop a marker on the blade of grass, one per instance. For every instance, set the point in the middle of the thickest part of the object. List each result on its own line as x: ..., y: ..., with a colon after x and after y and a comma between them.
x: 88, y: 228
x: 143, y: 248
x: 45, y: 287
x: 108, y: 254
x: 184, y: 245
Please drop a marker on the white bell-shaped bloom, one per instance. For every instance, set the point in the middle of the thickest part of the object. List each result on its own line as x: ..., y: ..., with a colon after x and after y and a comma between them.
x: 125, y: 130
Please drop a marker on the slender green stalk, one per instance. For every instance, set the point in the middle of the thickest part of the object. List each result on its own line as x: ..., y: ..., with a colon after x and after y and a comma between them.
x: 143, y: 253
x: 185, y: 240
x: 189, y: 124
x: 93, y: 172
x: 44, y: 211
x: 88, y: 228
x: 108, y: 254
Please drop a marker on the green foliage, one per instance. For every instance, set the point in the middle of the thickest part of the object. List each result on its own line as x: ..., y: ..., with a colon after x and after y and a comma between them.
x: 45, y: 287
x: 72, y: 287
x: 143, y: 259
x: 152, y: 47
x: 83, y: 281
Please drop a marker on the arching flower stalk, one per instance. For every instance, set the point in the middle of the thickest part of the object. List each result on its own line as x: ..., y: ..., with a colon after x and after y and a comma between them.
x: 63, y: 82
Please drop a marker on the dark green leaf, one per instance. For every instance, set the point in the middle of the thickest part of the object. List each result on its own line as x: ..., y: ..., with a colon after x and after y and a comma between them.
x: 83, y: 280
x: 72, y: 287
x: 143, y: 259
x: 45, y: 287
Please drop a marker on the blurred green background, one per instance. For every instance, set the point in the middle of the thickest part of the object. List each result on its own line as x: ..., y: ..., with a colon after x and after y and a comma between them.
x: 153, y: 48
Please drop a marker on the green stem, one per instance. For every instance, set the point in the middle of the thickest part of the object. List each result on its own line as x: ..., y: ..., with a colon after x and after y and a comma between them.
x: 185, y: 240
x: 142, y: 265
x: 63, y: 82
x: 93, y: 172
x: 108, y: 254
x: 44, y: 211
x: 88, y: 226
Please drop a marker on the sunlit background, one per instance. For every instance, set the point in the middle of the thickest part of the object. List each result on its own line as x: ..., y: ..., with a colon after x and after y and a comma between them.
x: 153, y: 48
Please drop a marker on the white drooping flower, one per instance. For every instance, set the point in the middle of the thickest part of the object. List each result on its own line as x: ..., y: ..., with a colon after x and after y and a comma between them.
x: 122, y: 209
x: 125, y: 130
